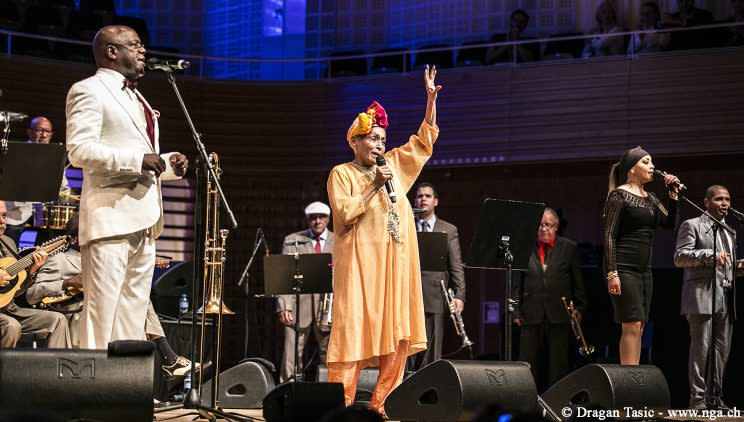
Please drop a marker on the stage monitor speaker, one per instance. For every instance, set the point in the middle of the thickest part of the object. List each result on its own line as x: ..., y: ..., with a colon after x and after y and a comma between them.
x: 78, y: 384
x: 302, y: 401
x: 243, y: 386
x: 610, y: 387
x: 450, y: 390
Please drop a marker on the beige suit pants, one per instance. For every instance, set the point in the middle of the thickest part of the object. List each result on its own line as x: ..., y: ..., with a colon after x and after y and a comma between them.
x: 117, y: 276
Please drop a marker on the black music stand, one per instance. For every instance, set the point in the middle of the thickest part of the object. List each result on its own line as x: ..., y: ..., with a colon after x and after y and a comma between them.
x: 506, y: 236
x: 298, y: 274
x: 31, y: 172
x: 433, y: 251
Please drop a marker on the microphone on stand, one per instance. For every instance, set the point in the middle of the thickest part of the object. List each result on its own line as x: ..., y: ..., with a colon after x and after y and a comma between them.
x: 12, y: 116
x: 260, y: 238
x: 679, y: 185
x: 296, y: 242
x: 154, y: 63
x: 736, y: 214
x: 388, y: 183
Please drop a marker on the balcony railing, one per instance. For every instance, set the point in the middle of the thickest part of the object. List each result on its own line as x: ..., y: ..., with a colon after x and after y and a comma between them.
x: 567, y: 47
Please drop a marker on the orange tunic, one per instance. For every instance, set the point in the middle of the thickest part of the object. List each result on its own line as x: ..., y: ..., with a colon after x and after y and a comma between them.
x: 377, y: 281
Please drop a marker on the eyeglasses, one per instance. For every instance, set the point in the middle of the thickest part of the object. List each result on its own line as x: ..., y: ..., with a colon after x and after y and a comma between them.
x: 42, y: 130
x: 133, y: 47
x: 376, y: 139
x: 547, y: 225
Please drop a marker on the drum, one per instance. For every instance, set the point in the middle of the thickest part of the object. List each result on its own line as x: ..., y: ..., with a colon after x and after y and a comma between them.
x: 52, y: 215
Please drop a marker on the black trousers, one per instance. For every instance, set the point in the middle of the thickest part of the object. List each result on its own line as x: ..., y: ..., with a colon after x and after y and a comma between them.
x: 434, y: 332
x: 545, y: 347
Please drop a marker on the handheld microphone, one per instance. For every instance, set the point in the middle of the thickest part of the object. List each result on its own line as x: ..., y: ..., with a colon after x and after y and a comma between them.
x: 736, y: 214
x: 154, y: 63
x: 678, y: 185
x: 11, y: 116
x: 388, y: 183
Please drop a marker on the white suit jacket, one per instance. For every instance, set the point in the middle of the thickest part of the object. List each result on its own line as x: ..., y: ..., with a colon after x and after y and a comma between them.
x: 107, y: 138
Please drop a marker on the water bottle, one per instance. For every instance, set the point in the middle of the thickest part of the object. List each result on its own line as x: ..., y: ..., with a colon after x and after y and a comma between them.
x: 187, y: 383
x: 183, y: 306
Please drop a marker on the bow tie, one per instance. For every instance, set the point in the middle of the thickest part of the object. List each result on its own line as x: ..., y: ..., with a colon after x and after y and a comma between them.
x: 130, y: 84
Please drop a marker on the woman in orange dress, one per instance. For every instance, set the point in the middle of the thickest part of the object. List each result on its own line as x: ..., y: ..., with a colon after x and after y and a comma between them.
x: 378, y: 310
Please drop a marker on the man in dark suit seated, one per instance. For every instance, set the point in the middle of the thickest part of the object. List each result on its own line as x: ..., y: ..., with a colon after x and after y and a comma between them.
x: 427, y: 200
x: 552, y: 273
x: 695, y: 254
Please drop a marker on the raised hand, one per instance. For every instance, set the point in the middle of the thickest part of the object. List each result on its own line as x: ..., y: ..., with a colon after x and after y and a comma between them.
x: 431, y: 88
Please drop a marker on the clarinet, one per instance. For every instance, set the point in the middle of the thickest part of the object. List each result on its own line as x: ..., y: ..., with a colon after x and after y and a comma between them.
x: 456, y: 318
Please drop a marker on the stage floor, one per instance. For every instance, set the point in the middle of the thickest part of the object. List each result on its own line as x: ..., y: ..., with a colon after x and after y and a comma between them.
x: 185, y: 415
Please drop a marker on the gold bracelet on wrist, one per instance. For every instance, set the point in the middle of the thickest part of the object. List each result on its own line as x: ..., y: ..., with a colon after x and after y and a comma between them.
x: 611, y: 275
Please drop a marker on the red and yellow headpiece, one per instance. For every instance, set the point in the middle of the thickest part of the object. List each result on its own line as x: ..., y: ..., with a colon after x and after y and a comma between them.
x: 362, y: 125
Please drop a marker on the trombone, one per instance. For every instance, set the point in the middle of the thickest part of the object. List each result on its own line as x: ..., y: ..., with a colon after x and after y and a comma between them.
x: 585, y: 349
x: 215, y: 249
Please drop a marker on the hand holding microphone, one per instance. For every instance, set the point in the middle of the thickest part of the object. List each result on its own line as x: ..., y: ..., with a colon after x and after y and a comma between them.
x: 383, y: 175
x: 671, y: 181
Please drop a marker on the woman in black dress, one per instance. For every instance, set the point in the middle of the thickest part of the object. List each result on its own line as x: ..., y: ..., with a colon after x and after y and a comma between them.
x: 630, y: 215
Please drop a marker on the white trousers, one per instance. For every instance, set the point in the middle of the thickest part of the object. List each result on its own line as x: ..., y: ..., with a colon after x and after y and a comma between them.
x: 117, y: 276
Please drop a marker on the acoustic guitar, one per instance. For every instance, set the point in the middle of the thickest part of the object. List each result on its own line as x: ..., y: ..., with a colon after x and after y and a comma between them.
x: 16, y: 268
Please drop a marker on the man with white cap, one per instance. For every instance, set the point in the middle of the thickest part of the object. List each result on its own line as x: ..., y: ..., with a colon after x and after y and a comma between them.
x: 315, y: 239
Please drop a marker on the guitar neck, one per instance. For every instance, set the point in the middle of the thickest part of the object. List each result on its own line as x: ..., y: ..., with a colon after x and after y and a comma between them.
x: 20, y: 265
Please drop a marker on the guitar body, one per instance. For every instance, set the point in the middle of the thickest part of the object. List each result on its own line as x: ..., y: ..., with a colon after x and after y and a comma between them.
x: 8, y: 292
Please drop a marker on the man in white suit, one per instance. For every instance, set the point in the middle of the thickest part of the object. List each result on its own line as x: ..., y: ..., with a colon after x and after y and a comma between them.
x: 112, y: 135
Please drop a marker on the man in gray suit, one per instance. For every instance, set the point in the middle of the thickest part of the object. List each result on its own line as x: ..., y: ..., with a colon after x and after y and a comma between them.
x: 427, y: 199
x: 316, y: 239
x: 695, y: 254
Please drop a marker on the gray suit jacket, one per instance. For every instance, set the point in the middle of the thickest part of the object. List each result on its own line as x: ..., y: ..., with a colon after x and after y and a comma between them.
x: 454, y: 277
x: 694, y: 253
x: 52, y: 274
x: 309, y: 304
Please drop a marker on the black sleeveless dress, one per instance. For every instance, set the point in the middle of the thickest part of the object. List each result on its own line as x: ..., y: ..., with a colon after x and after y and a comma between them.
x: 630, y: 221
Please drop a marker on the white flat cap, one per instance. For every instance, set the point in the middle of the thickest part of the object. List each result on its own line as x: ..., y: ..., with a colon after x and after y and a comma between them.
x: 317, y: 208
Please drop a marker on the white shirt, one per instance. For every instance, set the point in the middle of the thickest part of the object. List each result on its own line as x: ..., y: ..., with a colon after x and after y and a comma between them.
x: 323, y: 237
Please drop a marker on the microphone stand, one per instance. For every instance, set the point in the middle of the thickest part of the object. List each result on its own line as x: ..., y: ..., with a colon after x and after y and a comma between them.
x: 259, y: 239
x: 204, y: 168
x: 711, y: 395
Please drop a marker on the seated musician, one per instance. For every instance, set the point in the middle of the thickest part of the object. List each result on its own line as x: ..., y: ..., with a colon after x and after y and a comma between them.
x: 21, y: 213
x: 15, y: 320
x: 62, y: 272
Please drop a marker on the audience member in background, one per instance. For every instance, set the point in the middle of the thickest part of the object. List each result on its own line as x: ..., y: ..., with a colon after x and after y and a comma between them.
x: 505, y: 53
x: 687, y: 16
x: 605, y: 44
x: 736, y: 33
x: 651, y: 42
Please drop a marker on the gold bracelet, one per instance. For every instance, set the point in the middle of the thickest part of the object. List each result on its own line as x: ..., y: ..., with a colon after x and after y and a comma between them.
x: 611, y: 275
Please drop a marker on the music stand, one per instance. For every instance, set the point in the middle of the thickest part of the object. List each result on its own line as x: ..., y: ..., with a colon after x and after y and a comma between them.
x: 298, y: 274
x: 44, y: 163
x: 433, y: 251
x: 504, y: 240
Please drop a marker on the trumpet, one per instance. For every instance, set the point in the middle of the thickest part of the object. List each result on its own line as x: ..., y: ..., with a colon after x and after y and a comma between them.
x: 326, y: 316
x: 585, y: 349
x: 449, y: 297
